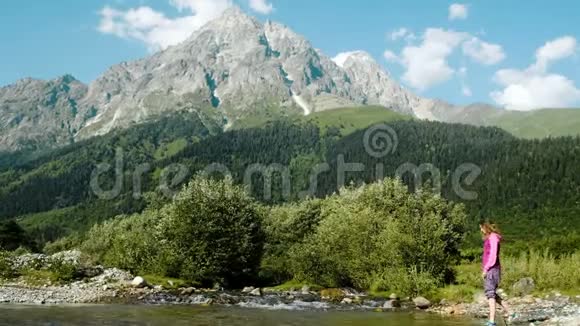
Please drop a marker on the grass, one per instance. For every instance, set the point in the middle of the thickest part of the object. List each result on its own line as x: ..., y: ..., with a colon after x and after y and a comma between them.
x: 549, y: 274
x: 540, y: 123
x: 348, y: 120
x: 264, y: 113
x: 295, y: 285
x: 170, y: 149
x: 381, y: 294
x: 39, y: 277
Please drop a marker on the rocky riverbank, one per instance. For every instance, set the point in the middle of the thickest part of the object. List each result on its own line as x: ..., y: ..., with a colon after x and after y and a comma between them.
x: 96, y: 284
x: 554, y: 309
x: 115, y: 286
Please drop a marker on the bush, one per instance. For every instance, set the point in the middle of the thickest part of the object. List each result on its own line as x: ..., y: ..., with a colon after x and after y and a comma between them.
x: 371, y: 235
x: 63, y: 244
x: 407, y: 281
x: 286, y: 226
x: 127, y: 242
x: 6, y: 269
x: 61, y: 271
x: 212, y: 233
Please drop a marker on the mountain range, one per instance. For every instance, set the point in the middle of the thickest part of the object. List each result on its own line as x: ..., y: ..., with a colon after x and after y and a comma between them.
x: 232, y: 69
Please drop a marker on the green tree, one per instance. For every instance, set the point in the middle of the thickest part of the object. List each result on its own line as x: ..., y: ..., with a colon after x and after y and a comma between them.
x: 12, y: 236
x: 212, y: 233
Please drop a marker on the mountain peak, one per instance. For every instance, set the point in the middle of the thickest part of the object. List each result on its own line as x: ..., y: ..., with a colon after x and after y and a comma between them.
x: 66, y: 79
x: 233, y: 20
x: 234, y: 10
x: 235, y: 14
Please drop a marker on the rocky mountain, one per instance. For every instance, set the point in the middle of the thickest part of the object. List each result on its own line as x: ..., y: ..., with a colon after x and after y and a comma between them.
x: 35, y: 114
x: 231, y: 68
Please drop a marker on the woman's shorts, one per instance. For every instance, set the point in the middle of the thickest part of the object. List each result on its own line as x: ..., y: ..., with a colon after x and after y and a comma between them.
x: 491, y: 282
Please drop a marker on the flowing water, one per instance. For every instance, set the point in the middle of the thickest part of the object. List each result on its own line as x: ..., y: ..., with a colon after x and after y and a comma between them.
x: 121, y: 315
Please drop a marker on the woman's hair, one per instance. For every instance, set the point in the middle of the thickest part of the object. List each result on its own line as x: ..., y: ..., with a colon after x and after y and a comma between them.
x: 489, y: 228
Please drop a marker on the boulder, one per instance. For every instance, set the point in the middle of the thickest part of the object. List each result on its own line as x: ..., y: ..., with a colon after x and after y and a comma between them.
x: 392, y: 304
x: 256, y: 292
x: 188, y: 291
x: 248, y: 289
x: 421, y: 303
x: 347, y: 301
x: 305, y: 289
x: 309, y: 298
x: 139, y: 282
x: 394, y: 296
x: 523, y: 287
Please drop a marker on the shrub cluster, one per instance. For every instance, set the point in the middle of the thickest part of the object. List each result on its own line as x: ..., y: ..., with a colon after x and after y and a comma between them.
x: 211, y: 232
x: 378, y: 236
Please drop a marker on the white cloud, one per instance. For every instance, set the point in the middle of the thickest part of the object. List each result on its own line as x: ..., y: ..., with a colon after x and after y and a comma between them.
x: 402, y: 33
x: 426, y: 64
x: 261, y: 6
x: 483, y: 52
x: 557, y: 49
x: 391, y: 56
x: 540, y: 91
x: 534, y: 87
x: 154, y: 28
x: 458, y: 11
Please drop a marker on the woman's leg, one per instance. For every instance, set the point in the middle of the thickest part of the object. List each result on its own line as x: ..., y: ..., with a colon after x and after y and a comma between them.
x: 490, y: 285
x: 492, y: 306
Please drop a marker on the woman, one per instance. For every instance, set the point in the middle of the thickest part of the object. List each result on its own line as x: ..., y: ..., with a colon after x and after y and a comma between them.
x: 491, y: 268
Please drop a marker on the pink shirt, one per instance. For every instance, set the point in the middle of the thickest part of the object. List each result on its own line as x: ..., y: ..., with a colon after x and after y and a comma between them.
x: 491, y: 252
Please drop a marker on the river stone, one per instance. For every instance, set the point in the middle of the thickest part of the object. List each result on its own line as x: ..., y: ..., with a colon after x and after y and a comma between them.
x: 421, y: 303
x: 394, y: 296
x: 248, y: 289
x: 139, y: 282
x: 256, y: 292
x: 347, y: 301
x: 305, y: 289
x: 188, y: 291
x: 309, y: 298
x: 523, y: 287
x: 391, y: 304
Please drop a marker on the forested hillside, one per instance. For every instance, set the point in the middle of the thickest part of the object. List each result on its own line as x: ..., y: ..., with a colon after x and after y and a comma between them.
x: 531, y: 187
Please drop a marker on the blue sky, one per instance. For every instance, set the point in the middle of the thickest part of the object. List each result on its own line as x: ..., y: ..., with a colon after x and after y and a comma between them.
x: 520, y: 54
